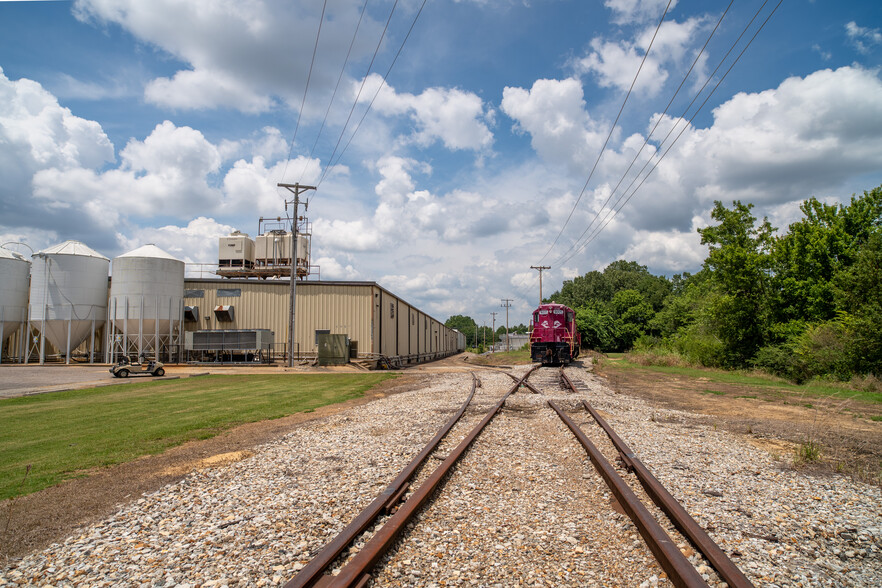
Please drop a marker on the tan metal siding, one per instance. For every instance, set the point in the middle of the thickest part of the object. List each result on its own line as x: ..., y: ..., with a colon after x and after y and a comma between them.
x: 403, y: 319
x: 340, y: 309
x: 413, y: 332
x: 389, y: 327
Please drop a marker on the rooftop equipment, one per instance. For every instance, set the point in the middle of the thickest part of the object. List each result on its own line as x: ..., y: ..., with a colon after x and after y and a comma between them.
x: 68, y: 298
x: 146, y: 303
x: 269, y: 255
x: 14, y: 280
x: 236, y: 251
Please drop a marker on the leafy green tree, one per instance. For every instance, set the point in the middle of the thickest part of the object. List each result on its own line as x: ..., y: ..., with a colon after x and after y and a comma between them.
x: 465, y: 325
x: 617, y: 276
x: 683, y: 306
x: 598, y: 327
x: 739, y: 261
x: 826, y: 241
x: 859, y: 290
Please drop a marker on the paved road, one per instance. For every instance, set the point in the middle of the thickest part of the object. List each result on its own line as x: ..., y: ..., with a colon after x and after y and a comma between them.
x: 22, y: 380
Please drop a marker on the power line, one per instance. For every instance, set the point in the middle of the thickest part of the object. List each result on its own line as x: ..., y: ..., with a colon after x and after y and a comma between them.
x: 306, y: 89
x: 658, y: 122
x: 334, y: 93
x: 377, y: 93
x: 358, y: 94
x: 611, y: 130
x: 612, y: 213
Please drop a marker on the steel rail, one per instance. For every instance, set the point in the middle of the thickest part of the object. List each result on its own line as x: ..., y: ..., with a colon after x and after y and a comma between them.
x: 524, y: 383
x: 678, y: 568
x: 312, y: 572
x: 355, y: 573
x: 682, y: 520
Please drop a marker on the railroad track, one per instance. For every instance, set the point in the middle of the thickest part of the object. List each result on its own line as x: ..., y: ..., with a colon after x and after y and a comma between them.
x: 362, y: 550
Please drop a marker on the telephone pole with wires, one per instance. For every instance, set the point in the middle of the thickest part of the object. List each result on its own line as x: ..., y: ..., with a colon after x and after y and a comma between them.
x: 493, y: 333
x: 506, y: 306
x: 540, y: 268
x: 297, y: 190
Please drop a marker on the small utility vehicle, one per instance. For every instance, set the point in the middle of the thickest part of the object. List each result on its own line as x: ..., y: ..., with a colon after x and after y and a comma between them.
x: 126, y: 368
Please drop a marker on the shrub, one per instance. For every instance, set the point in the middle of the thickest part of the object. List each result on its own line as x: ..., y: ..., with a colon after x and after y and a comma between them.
x: 781, y: 360
x: 823, y: 349
x: 700, y: 348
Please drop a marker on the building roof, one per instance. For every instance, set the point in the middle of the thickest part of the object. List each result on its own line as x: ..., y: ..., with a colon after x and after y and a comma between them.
x: 7, y: 254
x: 72, y: 248
x: 149, y: 250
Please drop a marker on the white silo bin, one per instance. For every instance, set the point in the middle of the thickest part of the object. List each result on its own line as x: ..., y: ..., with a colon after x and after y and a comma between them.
x: 14, y: 278
x: 68, y: 299
x: 146, y: 302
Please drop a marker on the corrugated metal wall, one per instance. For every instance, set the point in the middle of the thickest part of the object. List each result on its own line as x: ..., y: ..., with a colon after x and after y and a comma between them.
x: 340, y: 309
x: 379, y: 321
x: 337, y: 308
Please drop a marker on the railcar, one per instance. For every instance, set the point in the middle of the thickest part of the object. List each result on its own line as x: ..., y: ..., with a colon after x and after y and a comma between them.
x: 554, y: 339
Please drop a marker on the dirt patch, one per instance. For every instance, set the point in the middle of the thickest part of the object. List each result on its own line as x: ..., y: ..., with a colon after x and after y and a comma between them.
x: 773, y: 419
x: 31, y: 522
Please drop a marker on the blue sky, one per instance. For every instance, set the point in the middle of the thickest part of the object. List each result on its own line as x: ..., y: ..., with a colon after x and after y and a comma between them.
x: 125, y: 122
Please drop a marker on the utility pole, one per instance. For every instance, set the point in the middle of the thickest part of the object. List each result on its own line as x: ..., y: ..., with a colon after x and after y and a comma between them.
x: 484, y: 333
x: 506, y: 306
x: 297, y: 190
x: 493, y: 333
x: 540, y: 268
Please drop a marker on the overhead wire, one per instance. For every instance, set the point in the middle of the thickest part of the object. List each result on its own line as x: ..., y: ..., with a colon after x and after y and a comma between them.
x: 658, y: 122
x: 334, y: 93
x: 611, y: 130
x: 358, y: 94
x: 615, y: 210
x: 306, y: 88
x: 332, y: 163
x: 377, y: 93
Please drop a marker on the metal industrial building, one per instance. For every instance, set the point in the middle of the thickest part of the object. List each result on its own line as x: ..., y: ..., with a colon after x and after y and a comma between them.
x: 378, y: 322
x: 148, y: 308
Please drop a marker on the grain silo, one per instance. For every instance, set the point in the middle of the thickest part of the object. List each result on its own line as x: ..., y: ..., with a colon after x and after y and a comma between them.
x: 14, y: 278
x: 146, y: 304
x: 68, y: 301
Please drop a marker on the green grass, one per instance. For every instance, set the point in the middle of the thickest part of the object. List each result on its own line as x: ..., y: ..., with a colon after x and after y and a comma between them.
x: 771, y: 384
x: 715, y: 392
x: 521, y: 356
x: 64, y: 434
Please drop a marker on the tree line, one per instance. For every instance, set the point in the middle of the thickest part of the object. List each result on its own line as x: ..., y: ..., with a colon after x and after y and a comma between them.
x: 802, y: 303
x: 479, y: 336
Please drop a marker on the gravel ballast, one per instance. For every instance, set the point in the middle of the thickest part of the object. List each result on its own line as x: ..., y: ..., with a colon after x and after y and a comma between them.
x: 524, y: 507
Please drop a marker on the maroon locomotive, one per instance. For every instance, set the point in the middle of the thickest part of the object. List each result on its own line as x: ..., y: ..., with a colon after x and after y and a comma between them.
x: 554, y: 339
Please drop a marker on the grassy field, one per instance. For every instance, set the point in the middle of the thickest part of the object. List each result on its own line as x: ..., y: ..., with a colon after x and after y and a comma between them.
x: 756, y: 380
x: 64, y: 434
x: 521, y: 356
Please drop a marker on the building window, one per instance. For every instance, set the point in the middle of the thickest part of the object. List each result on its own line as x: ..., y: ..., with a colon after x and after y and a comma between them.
x: 229, y: 292
x: 194, y: 293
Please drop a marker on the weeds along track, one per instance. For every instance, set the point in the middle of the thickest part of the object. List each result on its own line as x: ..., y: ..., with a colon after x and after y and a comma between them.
x: 506, y: 494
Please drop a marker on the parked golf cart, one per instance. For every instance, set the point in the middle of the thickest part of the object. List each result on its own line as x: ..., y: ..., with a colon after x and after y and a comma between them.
x: 126, y: 368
